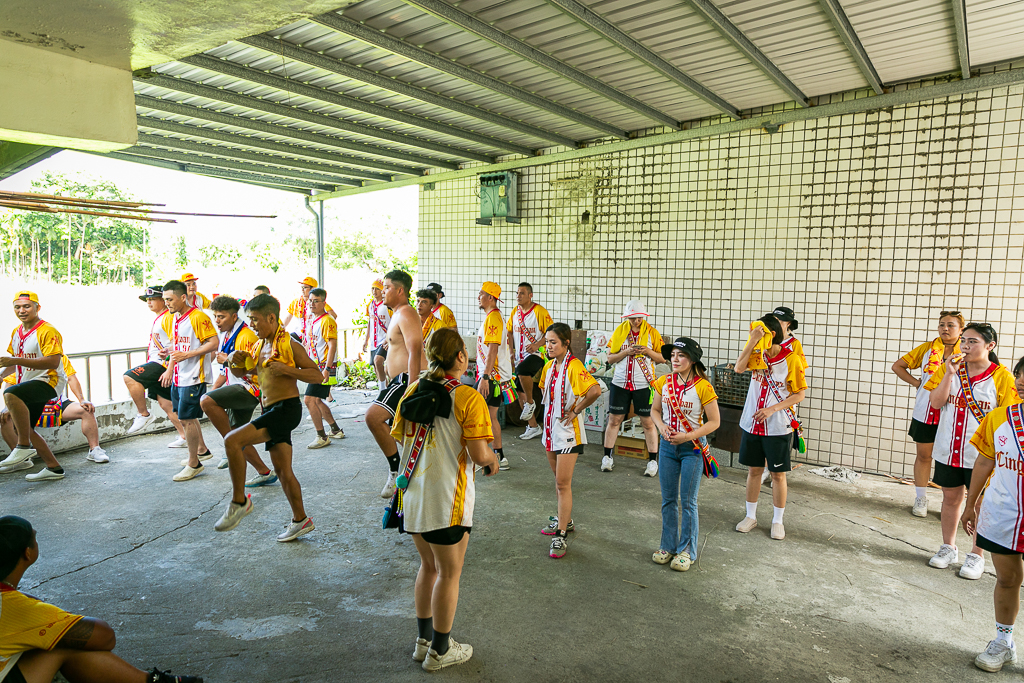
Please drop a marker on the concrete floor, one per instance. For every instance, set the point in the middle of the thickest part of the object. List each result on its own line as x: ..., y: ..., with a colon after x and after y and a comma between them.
x: 847, y: 597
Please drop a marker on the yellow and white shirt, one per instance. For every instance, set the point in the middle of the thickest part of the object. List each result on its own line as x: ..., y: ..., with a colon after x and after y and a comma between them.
x: 190, y: 330
x: 302, y: 311
x: 796, y: 347
x: 378, y: 316
x: 562, y: 384
x: 429, y: 326
x: 492, y: 331
x: 198, y: 300
x: 445, y: 315
x: 28, y: 624
x: 633, y: 373
x: 928, y: 357
x: 442, y: 491
x: 321, y: 331
x: 159, y: 333
x: 992, y: 389
x: 1001, y: 438
x: 41, y: 341
x: 245, y: 340
x: 685, y: 400
x: 784, y: 377
x: 528, y: 327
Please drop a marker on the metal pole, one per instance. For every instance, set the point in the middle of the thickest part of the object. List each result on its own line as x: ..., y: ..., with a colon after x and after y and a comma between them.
x: 318, y: 219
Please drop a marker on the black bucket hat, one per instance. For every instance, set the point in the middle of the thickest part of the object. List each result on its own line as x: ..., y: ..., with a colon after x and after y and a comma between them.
x: 688, y: 346
x: 786, y: 315
x: 155, y: 292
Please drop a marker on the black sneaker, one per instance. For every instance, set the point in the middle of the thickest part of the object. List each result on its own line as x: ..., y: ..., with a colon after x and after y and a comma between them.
x: 157, y: 676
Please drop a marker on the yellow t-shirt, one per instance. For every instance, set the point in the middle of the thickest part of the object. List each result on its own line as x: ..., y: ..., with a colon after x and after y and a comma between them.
x: 445, y: 315
x: 41, y: 341
x: 28, y: 624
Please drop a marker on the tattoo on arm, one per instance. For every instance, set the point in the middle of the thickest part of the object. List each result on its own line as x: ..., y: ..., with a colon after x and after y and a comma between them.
x: 78, y: 635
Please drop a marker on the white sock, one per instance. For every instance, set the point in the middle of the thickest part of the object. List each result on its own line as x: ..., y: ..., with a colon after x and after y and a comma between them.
x: 752, y: 510
x: 920, y: 491
x: 1004, y: 633
x: 777, y: 515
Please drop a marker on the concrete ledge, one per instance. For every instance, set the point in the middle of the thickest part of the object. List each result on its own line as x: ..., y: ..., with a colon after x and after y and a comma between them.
x: 113, y: 420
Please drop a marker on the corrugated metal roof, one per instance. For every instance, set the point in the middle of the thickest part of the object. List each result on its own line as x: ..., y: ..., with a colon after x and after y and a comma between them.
x: 386, y: 88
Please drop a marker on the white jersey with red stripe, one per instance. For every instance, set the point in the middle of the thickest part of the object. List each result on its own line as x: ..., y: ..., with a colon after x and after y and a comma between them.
x: 190, y: 330
x: 39, y: 342
x: 319, y: 332
x: 379, y: 316
x: 527, y: 328
x: 160, y: 337
x: 1001, y: 438
x: 991, y: 389
x: 784, y: 377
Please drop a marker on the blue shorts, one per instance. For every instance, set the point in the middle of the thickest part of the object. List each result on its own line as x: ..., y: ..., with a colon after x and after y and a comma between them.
x: 185, y: 401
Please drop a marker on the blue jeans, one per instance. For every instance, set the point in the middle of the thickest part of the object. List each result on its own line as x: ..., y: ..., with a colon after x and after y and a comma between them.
x: 679, y: 470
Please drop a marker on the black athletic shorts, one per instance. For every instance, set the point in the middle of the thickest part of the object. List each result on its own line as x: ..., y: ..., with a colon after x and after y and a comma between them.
x: 185, y: 401
x: 14, y: 676
x: 279, y: 419
x: 448, y: 536
x: 148, y: 375
x: 577, y: 449
x: 951, y: 477
x: 35, y: 394
x: 381, y: 351
x: 619, y: 400
x: 921, y: 432
x: 393, y: 393
x: 318, y: 390
x: 530, y: 366
x: 993, y: 547
x: 766, y: 451
x: 492, y: 387
x: 237, y: 401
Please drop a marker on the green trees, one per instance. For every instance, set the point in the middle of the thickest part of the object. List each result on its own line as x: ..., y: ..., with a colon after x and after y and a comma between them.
x: 73, y: 248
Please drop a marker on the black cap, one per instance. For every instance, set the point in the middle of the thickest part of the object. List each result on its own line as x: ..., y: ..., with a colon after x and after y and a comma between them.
x: 436, y: 288
x: 15, y: 539
x: 786, y: 315
x: 688, y: 346
x: 154, y: 292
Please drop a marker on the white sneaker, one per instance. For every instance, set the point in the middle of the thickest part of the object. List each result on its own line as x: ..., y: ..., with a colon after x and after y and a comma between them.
x: 607, y: 463
x: 178, y: 443
x: 98, y: 455
x: 652, y: 468
x: 45, y: 474
x: 295, y: 529
x: 233, y: 515
x: 320, y: 442
x: 419, y: 651
x: 223, y: 464
x: 973, y: 567
x: 995, y: 655
x: 458, y: 653
x: 23, y: 465
x: 141, y: 422
x: 920, y: 508
x: 261, y: 480
x: 389, y: 486
x: 528, y: 410
x: 765, y: 476
x: 188, y: 473
x: 18, y: 454
x: 503, y: 464
x: 946, y: 555
x: 531, y: 433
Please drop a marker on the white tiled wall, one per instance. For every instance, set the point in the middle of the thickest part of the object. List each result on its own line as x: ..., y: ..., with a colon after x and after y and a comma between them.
x: 867, y: 225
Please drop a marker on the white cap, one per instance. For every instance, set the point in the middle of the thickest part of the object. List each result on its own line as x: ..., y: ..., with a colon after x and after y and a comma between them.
x: 634, y: 309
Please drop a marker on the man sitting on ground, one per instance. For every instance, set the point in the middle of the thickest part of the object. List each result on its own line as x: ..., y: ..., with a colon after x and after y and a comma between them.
x: 37, y: 639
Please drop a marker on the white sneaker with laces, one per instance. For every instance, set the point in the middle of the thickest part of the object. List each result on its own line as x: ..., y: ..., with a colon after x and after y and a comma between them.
x: 458, y: 653
x: 531, y: 433
x: 973, y: 567
x: 607, y: 463
x: 946, y: 555
x: 995, y: 655
x: 98, y: 455
x: 178, y: 443
x: 652, y: 468
x: 23, y: 465
x: 45, y: 474
x: 233, y: 515
x: 503, y: 464
x: 141, y: 422
x: 920, y: 508
x: 389, y: 486
x: 223, y: 464
x: 295, y: 529
x: 320, y: 442
x: 528, y: 410
x: 419, y: 651
x: 188, y: 473
x: 18, y: 454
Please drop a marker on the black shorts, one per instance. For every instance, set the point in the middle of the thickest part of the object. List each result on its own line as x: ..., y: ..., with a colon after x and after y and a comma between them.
x: 951, y: 477
x: 766, y: 451
x: 381, y: 351
x: 994, y: 547
x: 393, y: 393
x: 279, y: 419
x: 921, y: 432
x: 577, y: 449
x: 185, y: 401
x: 14, y: 676
x: 530, y: 366
x: 35, y: 394
x: 448, y: 536
x: 318, y: 390
x: 237, y: 401
x: 619, y: 400
x: 493, y: 393
x: 148, y: 375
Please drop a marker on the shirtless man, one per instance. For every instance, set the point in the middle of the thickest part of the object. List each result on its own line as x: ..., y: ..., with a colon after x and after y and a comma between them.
x: 405, y: 359
x: 280, y: 361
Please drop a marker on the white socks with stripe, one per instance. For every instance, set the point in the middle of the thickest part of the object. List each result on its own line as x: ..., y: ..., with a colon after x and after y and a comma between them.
x: 1004, y: 634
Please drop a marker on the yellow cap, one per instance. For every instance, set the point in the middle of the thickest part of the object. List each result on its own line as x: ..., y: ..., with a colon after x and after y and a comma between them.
x: 185, y: 277
x: 308, y: 281
x: 492, y: 288
x: 25, y: 294
x: 377, y: 284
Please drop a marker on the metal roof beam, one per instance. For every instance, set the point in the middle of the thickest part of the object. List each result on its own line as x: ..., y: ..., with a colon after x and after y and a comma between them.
x: 962, y: 46
x: 621, y: 39
x: 845, y: 30
x: 714, y: 16
x: 262, y: 159
x: 257, y: 126
x: 248, y: 178
x: 186, y: 158
x: 277, y: 46
x: 268, y: 145
x: 467, y: 22
x: 226, y: 67
x: 270, y: 107
x: 371, y: 36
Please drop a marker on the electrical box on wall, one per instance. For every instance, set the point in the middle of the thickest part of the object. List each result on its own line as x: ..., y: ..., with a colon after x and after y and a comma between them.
x: 498, y: 197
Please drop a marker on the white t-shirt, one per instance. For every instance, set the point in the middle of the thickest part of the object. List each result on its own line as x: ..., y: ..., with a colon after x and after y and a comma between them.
x: 190, y: 330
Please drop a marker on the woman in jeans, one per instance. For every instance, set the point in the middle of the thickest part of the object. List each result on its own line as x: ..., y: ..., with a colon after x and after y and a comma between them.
x: 438, y: 508
x: 680, y: 400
